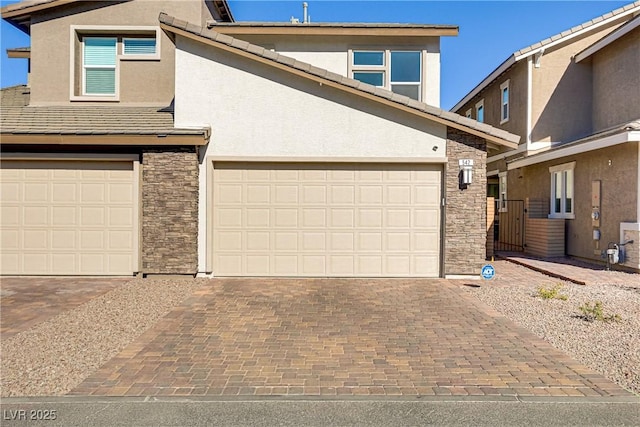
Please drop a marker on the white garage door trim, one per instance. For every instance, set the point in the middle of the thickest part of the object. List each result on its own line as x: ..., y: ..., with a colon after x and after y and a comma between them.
x: 107, y: 157
x: 431, y: 167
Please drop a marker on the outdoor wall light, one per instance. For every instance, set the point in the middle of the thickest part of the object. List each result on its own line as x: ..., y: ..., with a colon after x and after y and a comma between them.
x: 466, y: 171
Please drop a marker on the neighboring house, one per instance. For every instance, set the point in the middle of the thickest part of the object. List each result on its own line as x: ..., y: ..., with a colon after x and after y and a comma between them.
x: 575, y: 101
x: 270, y: 167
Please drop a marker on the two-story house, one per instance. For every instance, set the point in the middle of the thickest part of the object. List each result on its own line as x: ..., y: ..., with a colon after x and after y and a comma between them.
x: 262, y: 149
x: 574, y: 98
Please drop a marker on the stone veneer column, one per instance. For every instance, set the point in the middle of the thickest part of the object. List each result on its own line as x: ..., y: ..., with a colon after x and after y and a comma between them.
x: 465, y: 235
x: 170, y: 210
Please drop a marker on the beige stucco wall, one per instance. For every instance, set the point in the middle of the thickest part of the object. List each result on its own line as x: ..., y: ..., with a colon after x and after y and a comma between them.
x: 282, y: 115
x: 562, y: 96
x: 517, y: 123
x: 616, y: 167
x: 616, y: 82
x: 331, y: 53
x: 142, y: 82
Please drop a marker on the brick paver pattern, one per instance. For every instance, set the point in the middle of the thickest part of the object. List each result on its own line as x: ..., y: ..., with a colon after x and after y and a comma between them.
x: 27, y: 301
x: 340, y: 337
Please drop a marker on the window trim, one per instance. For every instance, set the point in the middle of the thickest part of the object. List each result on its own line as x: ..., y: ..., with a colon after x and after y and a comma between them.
x: 502, y: 203
x: 386, y: 67
x: 479, y: 105
x: 77, y: 32
x: 468, y: 114
x: 505, y: 118
x: 565, y: 167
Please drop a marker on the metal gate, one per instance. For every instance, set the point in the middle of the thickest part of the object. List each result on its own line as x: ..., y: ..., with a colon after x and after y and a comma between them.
x: 508, y: 232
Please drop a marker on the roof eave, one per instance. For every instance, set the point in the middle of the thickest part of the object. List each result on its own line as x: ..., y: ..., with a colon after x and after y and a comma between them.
x: 310, y: 30
x: 104, y: 139
x: 19, y: 53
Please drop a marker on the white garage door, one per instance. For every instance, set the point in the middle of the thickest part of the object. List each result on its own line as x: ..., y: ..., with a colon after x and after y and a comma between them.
x: 341, y: 220
x: 67, y: 218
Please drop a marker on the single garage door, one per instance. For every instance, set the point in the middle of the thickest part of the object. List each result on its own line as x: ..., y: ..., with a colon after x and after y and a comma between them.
x: 326, y: 220
x: 67, y: 218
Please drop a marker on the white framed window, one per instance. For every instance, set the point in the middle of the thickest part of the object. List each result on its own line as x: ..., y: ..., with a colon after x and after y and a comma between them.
x: 96, y: 53
x: 140, y: 47
x: 502, y: 190
x: 562, y: 191
x: 468, y: 113
x: 397, y: 70
x: 99, y: 66
x: 504, y: 102
x: 480, y: 111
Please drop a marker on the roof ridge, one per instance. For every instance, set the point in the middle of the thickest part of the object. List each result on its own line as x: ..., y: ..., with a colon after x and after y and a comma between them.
x: 310, y: 69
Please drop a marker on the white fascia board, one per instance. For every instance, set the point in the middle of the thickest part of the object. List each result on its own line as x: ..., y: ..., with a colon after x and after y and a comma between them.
x: 484, y: 83
x: 584, y: 147
x: 607, y: 40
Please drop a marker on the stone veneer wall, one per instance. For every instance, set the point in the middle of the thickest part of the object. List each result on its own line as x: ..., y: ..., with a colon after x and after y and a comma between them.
x: 170, y: 210
x: 465, y: 235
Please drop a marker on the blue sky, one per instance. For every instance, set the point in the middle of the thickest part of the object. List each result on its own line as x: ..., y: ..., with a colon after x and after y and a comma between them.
x: 489, y: 30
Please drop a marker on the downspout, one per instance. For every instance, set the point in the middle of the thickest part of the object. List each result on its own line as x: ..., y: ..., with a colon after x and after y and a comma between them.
x: 529, y: 100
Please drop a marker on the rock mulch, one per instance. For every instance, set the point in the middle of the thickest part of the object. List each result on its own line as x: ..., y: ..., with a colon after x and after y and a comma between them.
x: 56, y: 355
x: 611, y: 348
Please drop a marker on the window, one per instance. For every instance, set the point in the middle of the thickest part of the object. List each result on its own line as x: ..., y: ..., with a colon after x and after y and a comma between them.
x: 139, y: 46
x: 99, y: 66
x: 97, y: 53
x: 480, y: 111
x: 502, y: 188
x: 504, y: 102
x: 562, y: 202
x: 398, y: 71
x: 468, y: 113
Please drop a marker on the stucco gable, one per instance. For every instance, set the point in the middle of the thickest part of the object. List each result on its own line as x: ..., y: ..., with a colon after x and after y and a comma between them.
x: 494, y: 136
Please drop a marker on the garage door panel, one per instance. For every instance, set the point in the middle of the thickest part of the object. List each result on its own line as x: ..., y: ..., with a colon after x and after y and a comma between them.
x: 120, y: 193
x: 36, y: 192
x: 63, y: 239
x: 68, y: 217
x: 326, y: 220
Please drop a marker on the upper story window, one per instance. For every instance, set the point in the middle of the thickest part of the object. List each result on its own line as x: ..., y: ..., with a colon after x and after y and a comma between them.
x: 97, y: 53
x: 504, y: 102
x: 468, y: 114
x: 99, y: 66
x: 398, y: 71
x: 562, y: 203
x: 138, y: 46
x: 480, y: 111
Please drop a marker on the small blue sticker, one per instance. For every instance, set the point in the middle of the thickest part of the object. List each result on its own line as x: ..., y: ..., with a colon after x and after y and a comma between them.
x: 488, y: 272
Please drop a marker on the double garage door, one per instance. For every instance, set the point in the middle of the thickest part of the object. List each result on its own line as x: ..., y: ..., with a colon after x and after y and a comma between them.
x: 67, y: 218
x: 326, y: 220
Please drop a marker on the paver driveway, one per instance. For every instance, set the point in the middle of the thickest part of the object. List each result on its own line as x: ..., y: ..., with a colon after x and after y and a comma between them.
x: 340, y: 337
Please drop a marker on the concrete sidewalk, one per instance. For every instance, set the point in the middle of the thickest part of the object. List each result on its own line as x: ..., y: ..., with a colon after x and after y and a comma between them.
x: 88, y: 412
x: 572, y: 270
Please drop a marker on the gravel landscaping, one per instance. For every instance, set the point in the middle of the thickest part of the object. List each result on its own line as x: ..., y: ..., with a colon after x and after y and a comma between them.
x: 56, y: 355
x: 611, y: 348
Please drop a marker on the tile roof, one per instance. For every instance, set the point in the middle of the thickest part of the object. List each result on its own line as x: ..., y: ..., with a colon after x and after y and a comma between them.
x: 451, y: 119
x: 17, y: 117
x: 585, y: 25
